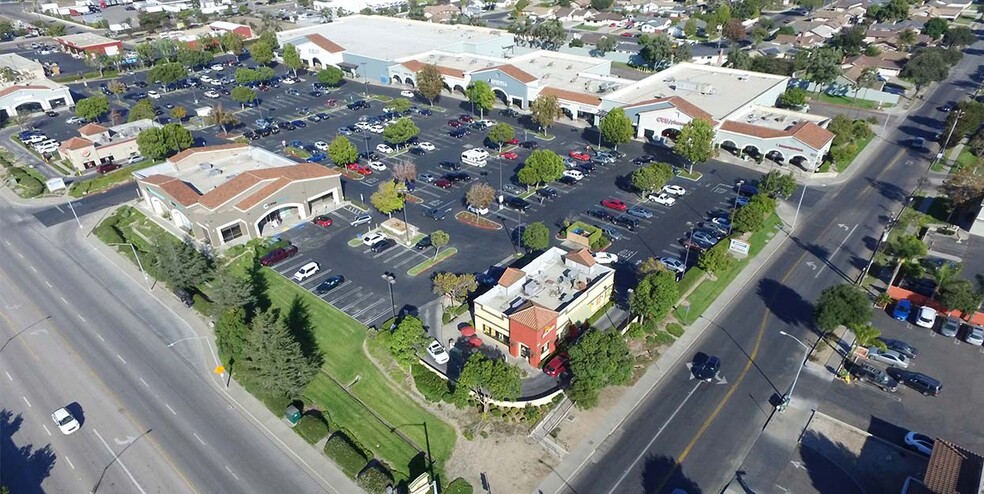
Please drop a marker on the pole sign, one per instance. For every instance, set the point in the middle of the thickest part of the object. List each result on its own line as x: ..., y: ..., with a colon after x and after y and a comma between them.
x: 739, y: 247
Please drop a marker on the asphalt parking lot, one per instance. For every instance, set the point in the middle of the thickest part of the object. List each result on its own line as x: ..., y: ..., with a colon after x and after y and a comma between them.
x: 890, y: 415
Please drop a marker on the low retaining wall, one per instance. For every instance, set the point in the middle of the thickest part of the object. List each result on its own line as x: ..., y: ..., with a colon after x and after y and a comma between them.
x: 536, y: 401
x: 918, y: 299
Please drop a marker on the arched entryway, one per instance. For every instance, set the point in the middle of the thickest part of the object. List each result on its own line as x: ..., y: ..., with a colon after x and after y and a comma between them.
x: 729, y: 145
x: 180, y: 220
x: 316, y: 63
x: 397, y: 79
x: 670, y: 134
x: 275, y: 218
x: 501, y: 95
x: 800, y: 161
x: 775, y: 155
x: 752, y: 151
x: 409, y: 82
x: 459, y: 88
x: 28, y: 107
x: 158, y: 206
x: 447, y: 88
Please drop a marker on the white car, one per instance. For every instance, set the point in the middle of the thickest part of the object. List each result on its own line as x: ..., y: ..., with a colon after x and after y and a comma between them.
x: 975, y: 336
x: 438, y: 353
x: 153, y: 94
x: 47, y: 148
x: 217, y: 67
x: 890, y: 357
x: 378, y: 166
x: 486, y: 123
x: 406, y: 93
x: 308, y: 270
x: 321, y: 145
x: 674, y: 190
x: 575, y: 174
x: 363, y: 125
x: 605, y: 258
x: 673, y: 264
x: 478, y: 211
x: 289, y: 81
x: 920, y: 443
x: 926, y: 317
x: 75, y: 120
x: 383, y: 148
x: 65, y: 421
x: 212, y: 94
x: 36, y: 139
x: 376, y: 129
x: 206, y: 78
x: 134, y: 159
x: 426, y: 146
x: 371, y: 238
x: 663, y: 199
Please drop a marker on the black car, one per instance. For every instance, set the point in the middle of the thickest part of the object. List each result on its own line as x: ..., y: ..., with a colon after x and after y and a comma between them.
x: 458, y: 133
x: 547, y: 192
x: 425, y: 112
x: 517, y: 203
x: 382, y: 245
x: 284, y: 125
x: 424, y: 243
x: 322, y: 115
x: 705, y: 367
x: 530, y: 144
x: 455, y: 177
x: 509, y: 112
x: 918, y: 381
x: 370, y: 156
x: 51, y: 113
x: 642, y: 160
x: 418, y: 151
x: 626, y: 222
x: 586, y: 167
x: 358, y: 104
x: 902, y: 347
x: 436, y: 213
x: 329, y: 284
x: 299, y: 124
x: 263, y: 132
x: 450, y: 165
x: 184, y: 297
x: 601, y: 214
x: 316, y: 94
x: 567, y: 180
x: 251, y: 135
x: 874, y: 375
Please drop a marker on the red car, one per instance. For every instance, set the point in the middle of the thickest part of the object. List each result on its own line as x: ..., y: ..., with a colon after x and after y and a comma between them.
x: 332, y: 102
x: 615, y: 204
x: 107, y: 167
x: 509, y: 155
x: 360, y: 169
x: 557, y: 365
x: 278, y: 254
x: 454, y: 123
x: 322, y: 220
x: 580, y: 156
x: 443, y: 183
x: 513, y: 141
x: 628, y: 35
x: 465, y: 118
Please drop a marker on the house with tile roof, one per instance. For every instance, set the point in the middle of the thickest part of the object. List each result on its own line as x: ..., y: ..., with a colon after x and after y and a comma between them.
x: 98, y: 145
x: 529, y: 309
x: 228, y: 194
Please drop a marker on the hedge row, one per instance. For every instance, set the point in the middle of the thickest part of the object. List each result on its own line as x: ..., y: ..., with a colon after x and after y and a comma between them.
x: 429, y: 384
x: 459, y: 486
x: 344, y: 452
x: 29, y: 185
x: 312, y: 428
x: 375, y: 479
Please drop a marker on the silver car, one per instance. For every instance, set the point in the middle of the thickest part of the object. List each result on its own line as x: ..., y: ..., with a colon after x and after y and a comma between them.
x: 950, y: 327
x: 890, y: 357
x: 974, y: 335
x: 362, y: 219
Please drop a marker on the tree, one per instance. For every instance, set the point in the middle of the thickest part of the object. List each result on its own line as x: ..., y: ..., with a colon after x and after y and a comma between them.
x: 850, y: 40
x: 292, y: 59
x: 690, y: 28
x: 936, y: 27
x: 810, y: 5
x: 167, y: 73
x: 274, y: 358
x: 179, y: 113
x: 480, y: 94
x: 716, y: 259
x: 231, y: 334
x: 501, y: 133
x: 605, y: 44
x: 243, y: 95
x: 231, y: 42
x: 601, y: 5
x: 905, y: 248
x: 176, y: 137
x: 963, y: 122
x: 330, y: 75
x: 439, y: 239
x: 146, y: 53
x: 655, y: 295
x: 245, y: 76
x: 118, y: 88
x: 262, y: 52
x: 734, y: 30
x: 959, y: 36
x: 960, y: 295
x: 544, y: 111
x: 55, y: 29
x: 408, y: 336
x: 489, y: 379
x: 652, y: 177
x: 342, y: 151
x: 842, y: 305
x: 219, y: 116
x: 549, y: 34
x: 141, y: 110
x: 752, y: 216
x: 454, y: 286
x: 794, y: 97
x: 695, y: 142
x: 906, y: 38
x: 92, y: 108
x: 866, y: 79
x: 401, y: 131
x: 536, y: 237
x: 599, y: 359
x: 943, y: 273
x: 405, y: 171
x: 387, y: 198
x: 542, y: 166
x: 867, y: 336
x: 151, y: 144
x: 656, y: 50
x: 193, y: 58
x: 430, y: 82
x: 739, y: 59
x: 616, y: 128
x: 230, y: 291
x: 895, y: 10
x: 178, y: 263
x: 925, y: 67
x: 963, y: 189
x: 777, y: 184
x: 823, y: 66
x: 400, y: 104
x: 480, y: 195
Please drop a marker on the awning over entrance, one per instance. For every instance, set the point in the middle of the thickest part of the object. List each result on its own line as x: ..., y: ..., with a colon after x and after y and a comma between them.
x: 347, y: 67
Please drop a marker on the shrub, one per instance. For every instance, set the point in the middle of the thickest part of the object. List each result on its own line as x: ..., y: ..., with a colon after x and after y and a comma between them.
x: 312, y: 428
x: 674, y: 329
x: 458, y: 486
x: 429, y: 384
x: 532, y: 414
x: 660, y: 338
x: 375, y: 479
x: 202, y: 305
x: 636, y: 331
x: 349, y: 457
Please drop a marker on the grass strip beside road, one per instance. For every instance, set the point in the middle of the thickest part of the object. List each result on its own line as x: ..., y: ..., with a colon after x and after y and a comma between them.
x: 705, y: 293
x: 846, y: 101
x: 107, y: 181
x: 429, y: 263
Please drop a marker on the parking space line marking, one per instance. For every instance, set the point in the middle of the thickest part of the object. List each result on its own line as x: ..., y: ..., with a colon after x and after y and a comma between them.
x: 349, y: 306
x: 346, y: 282
x: 358, y: 290
x: 372, y: 318
x: 144, y: 382
x: 100, y: 337
x: 368, y: 308
x: 25, y: 401
x: 231, y: 473
x: 45, y: 427
x: 12, y: 379
x: 46, y: 282
x: 199, y: 438
x: 63, y: 300
x: 69, y: 461
x: 121, y: 359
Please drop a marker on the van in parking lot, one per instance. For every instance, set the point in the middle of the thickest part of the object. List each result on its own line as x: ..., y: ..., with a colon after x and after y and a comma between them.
x: 475, y: 157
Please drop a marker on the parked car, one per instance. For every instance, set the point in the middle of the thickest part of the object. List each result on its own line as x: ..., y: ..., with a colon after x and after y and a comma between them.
x: 427, y: 177
x: 383, y: 148
x: 612, y: 233
x: 361, y: 219
x: 950, y: 327
x: 437, y: 214
x: 382, y: 245
x: 557, y: 365
x: 329, y: 284
x: 974, y: 335
x: 278, y: 254
x: 66, y: 422
x: 673, y: 264
x: 878, y: 377
x: 626, y: 221
x: 920, y: 443
x: 900, y: 346
x: 306, y: 271
x: 705, y: 367
x: 322, y: 220
x: 902, y: 310
x: 450, y: 165
x: 574, y: 174
x: 424, y: 243
x: 438, y: 353
x: 674, y: 190
x: 705, y: 237
x: 600, y: 214
x: 615, y: 204
x: 662, y: 199
x: 640, y: 212
x: 605, y: 258
x: 517, y: 203
x: 547, y: 192
x: 926, y: 317
x: 890, y: 357
x: 580, y: 156
x: 406, y: 93
x: 372, y: 238
x: 107, y: 167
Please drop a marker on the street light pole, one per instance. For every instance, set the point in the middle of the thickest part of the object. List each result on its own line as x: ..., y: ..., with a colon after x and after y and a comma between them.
x: 789, y: 396
x: 139, y: 264
x: 365, y: 78
x: 390, y: 281
x: 798, y: 204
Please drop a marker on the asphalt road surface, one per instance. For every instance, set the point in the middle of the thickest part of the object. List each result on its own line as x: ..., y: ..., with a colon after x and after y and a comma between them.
x: 686, y: 435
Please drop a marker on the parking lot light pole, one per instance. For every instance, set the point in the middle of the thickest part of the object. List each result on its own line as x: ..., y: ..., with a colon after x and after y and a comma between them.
x: 789, y: 396
x: 390, y: 281
x: 365, y: 78
x: 686, y: 255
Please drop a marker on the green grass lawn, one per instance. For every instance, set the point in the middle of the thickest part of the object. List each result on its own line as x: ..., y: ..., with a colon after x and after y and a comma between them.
x: 108, y: 180
x: 340, y: 338
x: 702, y: 297
x: 846, y: 101
x: 429, y: 263
x: 965, y: 159
x: 843, y: 165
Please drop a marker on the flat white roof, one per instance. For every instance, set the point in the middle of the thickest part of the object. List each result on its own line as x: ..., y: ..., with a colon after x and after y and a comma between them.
x: 569, y: 72
x: 209, y: 175
x: 775, y: 118
x: 86, y: 39
x: 389, y: 38
x: 716, y: 90
x: 19, y: 63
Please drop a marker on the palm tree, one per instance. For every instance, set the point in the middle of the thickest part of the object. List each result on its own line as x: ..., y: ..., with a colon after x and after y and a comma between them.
x: 944, y: 272
x: 223, y: 118
x: 906, y: 39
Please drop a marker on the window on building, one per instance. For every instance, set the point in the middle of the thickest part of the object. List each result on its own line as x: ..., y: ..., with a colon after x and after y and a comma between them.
x: 524, y: 351
x: 231, y: 233
x: 545, y: 349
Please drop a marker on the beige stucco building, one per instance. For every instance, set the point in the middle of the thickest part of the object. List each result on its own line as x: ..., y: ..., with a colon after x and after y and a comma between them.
x: 97, y: 145
x: 228, y: 194
x: 24, y: 87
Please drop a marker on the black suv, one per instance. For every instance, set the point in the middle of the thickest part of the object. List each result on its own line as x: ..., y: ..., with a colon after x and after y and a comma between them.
x: 358, y: 105
x: 436, y: 214
x: 547, y: 192
x: 455, y: 177
x: 626, y: 222
x: 918, y: 381
x: 184, y: 297
x: 450, y: 165
x: 517, y: 203
x: 874, y: 375
x: 600, y: 214
x: 382, y: 245
x: 285, y: 125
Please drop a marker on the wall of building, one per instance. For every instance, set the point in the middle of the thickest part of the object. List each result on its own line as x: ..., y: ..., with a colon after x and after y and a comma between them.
x: 45, y: 97
x: 377, y: 70
x: 489, y: 321
x: 501, y: 81
x: 587, y: 303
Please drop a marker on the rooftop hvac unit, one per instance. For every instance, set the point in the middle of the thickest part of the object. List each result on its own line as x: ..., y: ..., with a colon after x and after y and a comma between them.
x: 215, y: 172
x: 205, y: 166
x: 531, y: 288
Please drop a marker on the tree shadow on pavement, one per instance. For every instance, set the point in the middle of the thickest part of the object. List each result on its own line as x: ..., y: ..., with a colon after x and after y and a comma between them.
x: 785, y: 303
x: 663, y: 474
x: 23, y: 468
x: 298, y: 322
x: 746, y: 354
x: 877, y: 468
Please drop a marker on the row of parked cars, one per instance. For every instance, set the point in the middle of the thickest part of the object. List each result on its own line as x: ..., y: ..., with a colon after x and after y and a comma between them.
x: 951, y: 327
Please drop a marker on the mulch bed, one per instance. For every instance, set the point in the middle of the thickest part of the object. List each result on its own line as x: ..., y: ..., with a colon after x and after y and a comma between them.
x: 477, y: 221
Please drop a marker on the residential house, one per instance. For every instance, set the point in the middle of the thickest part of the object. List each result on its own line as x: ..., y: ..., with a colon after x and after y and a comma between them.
x: 611, y: 19
x: 889, y: 63
x: 677, y: 30
x: 570, y: 14
x: 537, y: 12
x: 657, y: 25
x: 441, y: 13
x: 801, y: 41
x: 888, y: 39
x: 951, y: 470
x: 929, y: 11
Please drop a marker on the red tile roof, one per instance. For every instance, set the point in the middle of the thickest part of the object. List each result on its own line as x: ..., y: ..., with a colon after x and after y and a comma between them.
x: 511, y: 276
x: 325, y: 43
x: 953, y: 470
x: 180, y: 191
x: 582, y: 257
x: 808, y: 133
x: 75, y: 143
x: 13, y: 89
x: 753, y: 130
x: 92, y: 129
x: 574, y: 96
x: 535, y: 316
x: 415, y: 66
x: 205, y: 149
x: 512, y: 71
x: 686, y: 107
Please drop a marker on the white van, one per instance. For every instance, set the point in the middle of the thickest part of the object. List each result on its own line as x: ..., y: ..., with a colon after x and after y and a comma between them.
x: 475, y: 157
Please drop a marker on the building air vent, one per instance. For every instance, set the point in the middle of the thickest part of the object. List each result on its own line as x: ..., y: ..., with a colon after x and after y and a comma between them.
x: 531, y: 288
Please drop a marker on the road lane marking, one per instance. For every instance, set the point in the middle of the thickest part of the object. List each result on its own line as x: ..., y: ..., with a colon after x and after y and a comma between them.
x: 45, y: 427
x: 117, y: 459
x: 70, y: 463
x: 100, y: 337
x: 8, y: 376
x: 33, y: 269
x: 231, y: 472
x: 170, y: 409
x: 121, y: 359
x: 144, y: 382
x: 20, y: 255
x: 663, y: 427
x: 46, y: 282
x: 80, y: 317
x: 28, y: 403
x: 830, y: 259
x: 199, y: 438
x: 63, y: 300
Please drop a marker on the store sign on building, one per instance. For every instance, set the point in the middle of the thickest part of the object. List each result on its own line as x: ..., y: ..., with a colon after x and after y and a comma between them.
x: 497, y: 83
x: 670, y: 121
x: 789, y: 147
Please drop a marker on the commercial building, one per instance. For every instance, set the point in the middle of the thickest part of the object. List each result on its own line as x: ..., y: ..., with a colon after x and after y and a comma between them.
x: 951, y: 470
x: 228, y: 194
x: 222, y: 27
x: 29, y: 89
x: 90, y: 44
x: 529, y: 309
x: 97, y: 145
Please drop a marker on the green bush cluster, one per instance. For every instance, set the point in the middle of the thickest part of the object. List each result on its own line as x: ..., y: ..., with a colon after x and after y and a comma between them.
x: 674, y: 329
x: 429, y: 384
x: 375, y: 479
x: 29, y: 185
x: 660, y: 338
x: 346, y: 454
x: 312, y: 428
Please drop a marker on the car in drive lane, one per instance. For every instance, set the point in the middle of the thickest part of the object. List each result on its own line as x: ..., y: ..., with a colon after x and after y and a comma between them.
x: 519, y: 204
